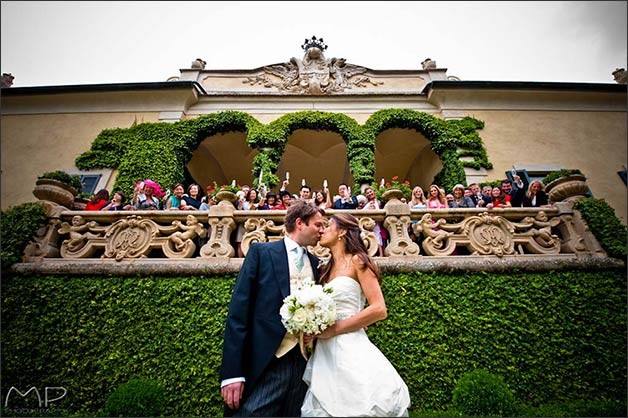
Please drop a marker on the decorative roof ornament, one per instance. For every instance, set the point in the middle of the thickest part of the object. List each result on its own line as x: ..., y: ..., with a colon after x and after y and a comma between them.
x: 314, y: 74
x: 620, y: 75
x: 314, y: 43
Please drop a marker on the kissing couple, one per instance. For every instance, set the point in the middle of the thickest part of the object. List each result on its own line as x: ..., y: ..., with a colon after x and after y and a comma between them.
x: 263, y: 372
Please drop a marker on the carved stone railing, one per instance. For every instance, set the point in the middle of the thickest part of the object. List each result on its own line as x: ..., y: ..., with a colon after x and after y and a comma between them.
x: 200, y: 239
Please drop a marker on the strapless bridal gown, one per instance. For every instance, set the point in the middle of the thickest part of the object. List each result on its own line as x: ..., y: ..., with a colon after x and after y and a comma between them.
x: 347, y: 375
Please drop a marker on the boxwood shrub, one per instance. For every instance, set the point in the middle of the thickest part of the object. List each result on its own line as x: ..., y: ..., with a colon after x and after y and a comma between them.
x: 18, y: 225
x: 553, y: 336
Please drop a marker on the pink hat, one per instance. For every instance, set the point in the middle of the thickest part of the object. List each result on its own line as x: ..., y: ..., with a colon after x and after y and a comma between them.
x: 156, y: 187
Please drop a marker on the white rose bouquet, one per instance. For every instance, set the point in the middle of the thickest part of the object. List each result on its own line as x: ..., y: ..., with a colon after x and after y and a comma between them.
x: 309, y: 310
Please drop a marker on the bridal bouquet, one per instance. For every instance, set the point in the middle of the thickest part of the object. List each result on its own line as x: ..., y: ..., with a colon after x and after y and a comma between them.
x: 309, y: 310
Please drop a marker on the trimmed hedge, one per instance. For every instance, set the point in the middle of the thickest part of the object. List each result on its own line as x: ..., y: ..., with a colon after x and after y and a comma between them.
x: 555, y: 336
x: 605, y: 225
x: 18, y: 225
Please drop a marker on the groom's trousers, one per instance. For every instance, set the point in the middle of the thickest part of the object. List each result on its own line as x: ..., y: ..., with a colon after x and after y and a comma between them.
x: 280, y: 390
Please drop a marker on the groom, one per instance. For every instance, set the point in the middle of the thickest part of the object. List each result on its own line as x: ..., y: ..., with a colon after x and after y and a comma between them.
x: 262, y: 367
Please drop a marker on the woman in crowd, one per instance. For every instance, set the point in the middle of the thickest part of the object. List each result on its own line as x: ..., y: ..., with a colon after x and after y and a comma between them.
x: 117, y: 203
x: 536, y: 196
x: 250, y: 202
x: 269, y: 201
x: 150, y: 201
x: 98, y: 201
x: 418, y: 198
x: 499, y: 199
x: 193, y: 198
x: 175, y: 200
x: 322, y: 199
x: 459, y: 199
x: 380, y: 232
x: 436, y: 198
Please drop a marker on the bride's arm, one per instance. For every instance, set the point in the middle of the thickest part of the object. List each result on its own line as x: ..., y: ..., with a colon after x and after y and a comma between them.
x: 375, y: 311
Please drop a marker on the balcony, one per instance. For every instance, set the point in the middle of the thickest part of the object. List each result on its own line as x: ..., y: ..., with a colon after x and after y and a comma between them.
x: 202, y: 242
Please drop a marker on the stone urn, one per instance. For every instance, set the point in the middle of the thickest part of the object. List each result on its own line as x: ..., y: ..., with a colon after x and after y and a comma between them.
x: 568, y: 188
x: 55, y: 191
x: 226, y: 197
x: 392, y: 194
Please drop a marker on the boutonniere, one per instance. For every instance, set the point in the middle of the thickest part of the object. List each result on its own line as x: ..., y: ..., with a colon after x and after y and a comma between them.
x: 322, y: 262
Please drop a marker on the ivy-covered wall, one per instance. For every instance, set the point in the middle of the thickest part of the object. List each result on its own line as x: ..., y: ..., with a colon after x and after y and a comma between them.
x: 553, y: 336
x: 160, y: 151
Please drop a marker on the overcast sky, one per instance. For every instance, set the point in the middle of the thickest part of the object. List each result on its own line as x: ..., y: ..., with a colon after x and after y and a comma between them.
x: 62, y: 43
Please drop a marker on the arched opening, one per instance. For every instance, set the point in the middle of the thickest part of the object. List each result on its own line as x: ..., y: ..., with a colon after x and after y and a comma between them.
x: 222, y: 158
x: 314, y: 156
x: 407, y: 154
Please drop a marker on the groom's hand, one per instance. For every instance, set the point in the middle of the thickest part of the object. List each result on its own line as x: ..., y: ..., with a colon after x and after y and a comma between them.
x: 232, y: 394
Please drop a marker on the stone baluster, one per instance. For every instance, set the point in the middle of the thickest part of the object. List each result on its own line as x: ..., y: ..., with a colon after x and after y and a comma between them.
x: 221, y: 224
x: 397, y: 223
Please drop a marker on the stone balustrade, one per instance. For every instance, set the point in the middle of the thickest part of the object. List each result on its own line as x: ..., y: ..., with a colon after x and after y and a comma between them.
x: 203, y: 241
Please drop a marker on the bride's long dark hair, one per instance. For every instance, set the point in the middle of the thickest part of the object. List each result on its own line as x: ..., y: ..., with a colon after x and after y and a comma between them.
x: 354, y: 245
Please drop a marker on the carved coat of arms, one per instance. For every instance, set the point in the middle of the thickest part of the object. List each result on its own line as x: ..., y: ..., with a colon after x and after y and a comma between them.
x: 314, y: 74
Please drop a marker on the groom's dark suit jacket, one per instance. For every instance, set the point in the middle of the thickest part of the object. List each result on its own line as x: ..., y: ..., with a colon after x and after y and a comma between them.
x: 254, y: 330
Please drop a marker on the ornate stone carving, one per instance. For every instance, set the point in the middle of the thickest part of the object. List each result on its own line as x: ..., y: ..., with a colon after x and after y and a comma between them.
x: 198, y: 64
x: 400, y: 242
x: 568, y: 188
x: 181, y: 243
x: 55, y: 191
x: 314, y: 74
x: 45, y: 241
x: 368, y: 236
x: 620, y: 75
x: 428, y: 64
x: 81, y: 232
x: 257, y: 230
x: 218, y: 244
x: 397, y: 223
x: 488, y: 234
x: 7, y: 80
x: 130, y: 238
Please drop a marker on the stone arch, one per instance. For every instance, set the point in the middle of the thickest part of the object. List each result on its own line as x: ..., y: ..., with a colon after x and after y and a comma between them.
x: 272, y: 140
x: 315, y: 156
x: 161, y: 151
x: 221, y: 158
x: 407, y: 154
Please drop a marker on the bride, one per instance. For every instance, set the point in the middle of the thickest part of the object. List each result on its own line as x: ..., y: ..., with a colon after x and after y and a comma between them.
x: 347, y: 375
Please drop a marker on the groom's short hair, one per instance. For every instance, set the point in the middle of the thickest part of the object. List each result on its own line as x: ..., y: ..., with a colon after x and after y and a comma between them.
x: 300, y: 209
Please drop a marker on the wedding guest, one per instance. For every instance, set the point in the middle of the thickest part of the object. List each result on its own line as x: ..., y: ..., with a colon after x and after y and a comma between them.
x: 536, y: 196
x: 362, y: 200
x: 380, y: 232
x: 499, y: 199
x: 305, y: 194
x: 418, y: 198
x: 269, y: 201
x: 346, y: 199
x: 436, y: 198
x: 150, y: 201
x: 193, y: 198
x: 175, y: 200
x: 98, y: 200
x: 516, y: 192
x: 459, y: 200
x: 322, y: 199
x: 476, y: 195
x: 117, y: 202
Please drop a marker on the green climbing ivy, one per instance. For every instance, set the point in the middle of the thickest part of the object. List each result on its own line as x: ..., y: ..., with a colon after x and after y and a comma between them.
x: 160, y: 151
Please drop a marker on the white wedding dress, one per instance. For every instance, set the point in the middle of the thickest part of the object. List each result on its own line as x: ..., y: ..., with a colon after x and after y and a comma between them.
x: 347, y: 375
